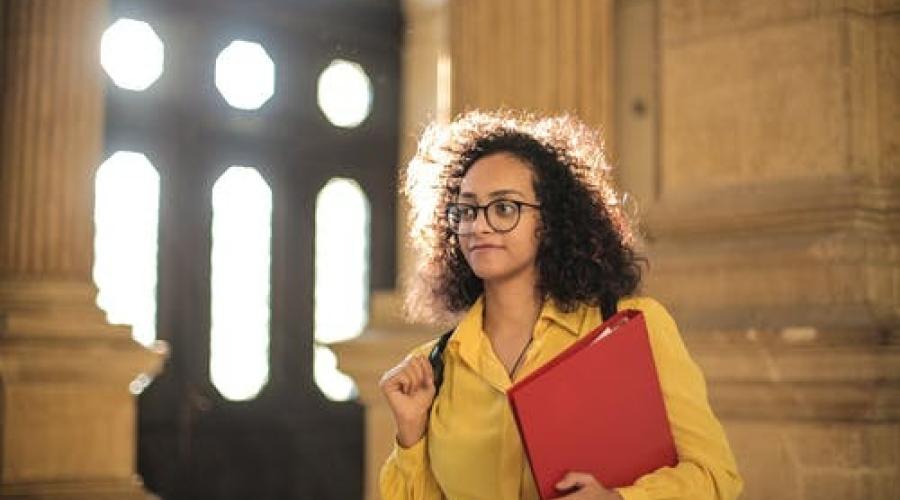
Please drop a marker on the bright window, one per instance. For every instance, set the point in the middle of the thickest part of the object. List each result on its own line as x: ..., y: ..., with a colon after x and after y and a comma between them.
x: 241, y: 257
x: 345, y: 93
x: 342, y: 277
x: 132, y: 54
x: 245, y: 75
x: 126, y: 219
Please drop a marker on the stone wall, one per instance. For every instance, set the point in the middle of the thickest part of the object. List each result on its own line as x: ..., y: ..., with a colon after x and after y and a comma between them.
x: 776, y: 233
x: 759, y: 140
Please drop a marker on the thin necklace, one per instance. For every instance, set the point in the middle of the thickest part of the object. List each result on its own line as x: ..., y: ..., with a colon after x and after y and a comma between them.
x: 519, y: 359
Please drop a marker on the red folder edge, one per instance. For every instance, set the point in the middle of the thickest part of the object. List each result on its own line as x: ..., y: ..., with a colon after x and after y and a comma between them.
x: 668, y: 454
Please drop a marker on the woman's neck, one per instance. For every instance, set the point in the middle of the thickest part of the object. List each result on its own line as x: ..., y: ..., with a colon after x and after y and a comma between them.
x: 511, y: 307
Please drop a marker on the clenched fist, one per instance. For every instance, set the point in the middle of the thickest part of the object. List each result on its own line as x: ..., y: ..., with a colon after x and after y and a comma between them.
x: 409, y: 390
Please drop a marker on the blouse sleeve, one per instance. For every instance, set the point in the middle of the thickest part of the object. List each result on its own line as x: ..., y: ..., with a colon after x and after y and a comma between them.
x: 406, y: 474
x: 706, y: 467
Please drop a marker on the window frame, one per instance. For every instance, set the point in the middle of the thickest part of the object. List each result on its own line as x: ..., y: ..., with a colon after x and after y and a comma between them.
x: 289, y: 440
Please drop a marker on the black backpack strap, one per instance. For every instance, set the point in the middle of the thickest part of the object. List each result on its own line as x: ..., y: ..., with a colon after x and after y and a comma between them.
x: 436, y: 358
x: 608, y: 308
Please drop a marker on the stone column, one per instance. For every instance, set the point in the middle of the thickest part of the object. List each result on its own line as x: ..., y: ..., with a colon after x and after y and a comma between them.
x: 775, y: 233
x: 67, y: 418
x: 366, y: 359
x: 387, y: 339
x: 544, y: 56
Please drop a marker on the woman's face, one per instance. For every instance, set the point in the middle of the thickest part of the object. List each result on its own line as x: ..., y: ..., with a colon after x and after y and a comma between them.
x: 493, y: 255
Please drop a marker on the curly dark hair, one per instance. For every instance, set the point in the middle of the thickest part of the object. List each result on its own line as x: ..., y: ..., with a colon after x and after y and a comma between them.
x: 586, y: 251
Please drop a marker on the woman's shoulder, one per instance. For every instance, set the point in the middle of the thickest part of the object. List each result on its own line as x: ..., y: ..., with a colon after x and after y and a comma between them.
x: 655, y: 314
x: 425, y: 348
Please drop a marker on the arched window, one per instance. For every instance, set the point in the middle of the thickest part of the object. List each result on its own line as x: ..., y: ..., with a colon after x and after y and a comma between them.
x: 240, y: 271
x: 342, y: 278
x: 126, y: 219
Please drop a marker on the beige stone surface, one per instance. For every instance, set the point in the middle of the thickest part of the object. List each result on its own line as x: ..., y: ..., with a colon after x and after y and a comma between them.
x: 66, y: 411
x: 685, y: 20
x: 823, y: 253
x: 635, y: 154
x: 798, y: 373
x: 776, y: 237
x: 888, y: 90
x: 52, y: 139
x: 426, y: 61
x: 760, y: 105
x: 816, y: 460
x: 67, y: 418
x: 44, y: 446
x: 775, y: 476
x: 541, y: 56
x: 811, y: 95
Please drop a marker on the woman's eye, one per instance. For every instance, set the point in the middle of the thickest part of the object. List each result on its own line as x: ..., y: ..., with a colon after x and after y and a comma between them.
x: 505, y: 208
x: 468, y: 213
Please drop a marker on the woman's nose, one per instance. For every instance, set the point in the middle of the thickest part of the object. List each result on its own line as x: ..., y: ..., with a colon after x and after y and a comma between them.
x: 480, y: 224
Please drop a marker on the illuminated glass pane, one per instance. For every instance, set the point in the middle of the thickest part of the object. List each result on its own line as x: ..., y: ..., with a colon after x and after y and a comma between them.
x: 245, y: 75
x: 126, y: 219
x: 241, y: 256
x: 342, y: 275
x: 132, y: 54
x: 345, y: 93
x: 335, y: 385
x: 342, y: 261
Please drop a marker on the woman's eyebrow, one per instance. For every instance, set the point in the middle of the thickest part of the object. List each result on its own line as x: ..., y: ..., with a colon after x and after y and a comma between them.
x: 493, y: 194
x: 503, y: 192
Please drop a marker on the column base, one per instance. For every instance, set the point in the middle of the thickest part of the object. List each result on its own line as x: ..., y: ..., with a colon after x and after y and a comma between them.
x: 78, y: 490
x: 67, y: 385
x: 809, y: 414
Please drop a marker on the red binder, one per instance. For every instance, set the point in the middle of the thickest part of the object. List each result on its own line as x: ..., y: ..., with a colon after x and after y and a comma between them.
x: 597, y: 407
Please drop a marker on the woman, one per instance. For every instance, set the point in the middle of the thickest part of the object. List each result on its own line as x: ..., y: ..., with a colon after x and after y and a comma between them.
x: 521, y: 240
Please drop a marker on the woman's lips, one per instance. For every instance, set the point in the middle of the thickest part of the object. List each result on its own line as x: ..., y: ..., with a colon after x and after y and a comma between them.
x: 477, y: 248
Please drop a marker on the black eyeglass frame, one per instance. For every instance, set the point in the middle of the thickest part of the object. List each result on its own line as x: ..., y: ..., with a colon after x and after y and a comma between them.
x: 484, y: 208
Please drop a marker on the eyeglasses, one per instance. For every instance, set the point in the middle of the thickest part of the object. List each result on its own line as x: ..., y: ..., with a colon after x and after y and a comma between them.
x: 501, y: 215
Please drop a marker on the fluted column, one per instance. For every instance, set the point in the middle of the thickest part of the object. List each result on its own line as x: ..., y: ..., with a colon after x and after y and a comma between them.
x: 67, y: 418
x: 52, y: 137
x: 545, y: 56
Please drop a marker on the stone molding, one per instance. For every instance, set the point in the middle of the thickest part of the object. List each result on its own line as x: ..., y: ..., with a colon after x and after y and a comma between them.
x: 78, y: 490
x: 785, y: 206
x: 822, y: 253
x: 799, y: 374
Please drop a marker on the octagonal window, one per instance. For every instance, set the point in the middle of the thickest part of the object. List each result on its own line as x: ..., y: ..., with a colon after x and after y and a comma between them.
x: 345, y: 93
x: 126, y: 219
x: 245, y: 75
x: 132, y: 54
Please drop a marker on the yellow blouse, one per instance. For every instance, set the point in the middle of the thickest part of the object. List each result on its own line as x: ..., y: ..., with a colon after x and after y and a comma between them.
x: 472, y: 448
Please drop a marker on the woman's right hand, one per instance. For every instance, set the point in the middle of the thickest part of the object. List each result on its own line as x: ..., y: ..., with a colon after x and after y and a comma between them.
x: 409, y: 390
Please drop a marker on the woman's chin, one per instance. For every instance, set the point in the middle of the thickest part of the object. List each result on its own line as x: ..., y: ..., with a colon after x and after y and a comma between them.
x: 494, y: 274
x: 489, y: 273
